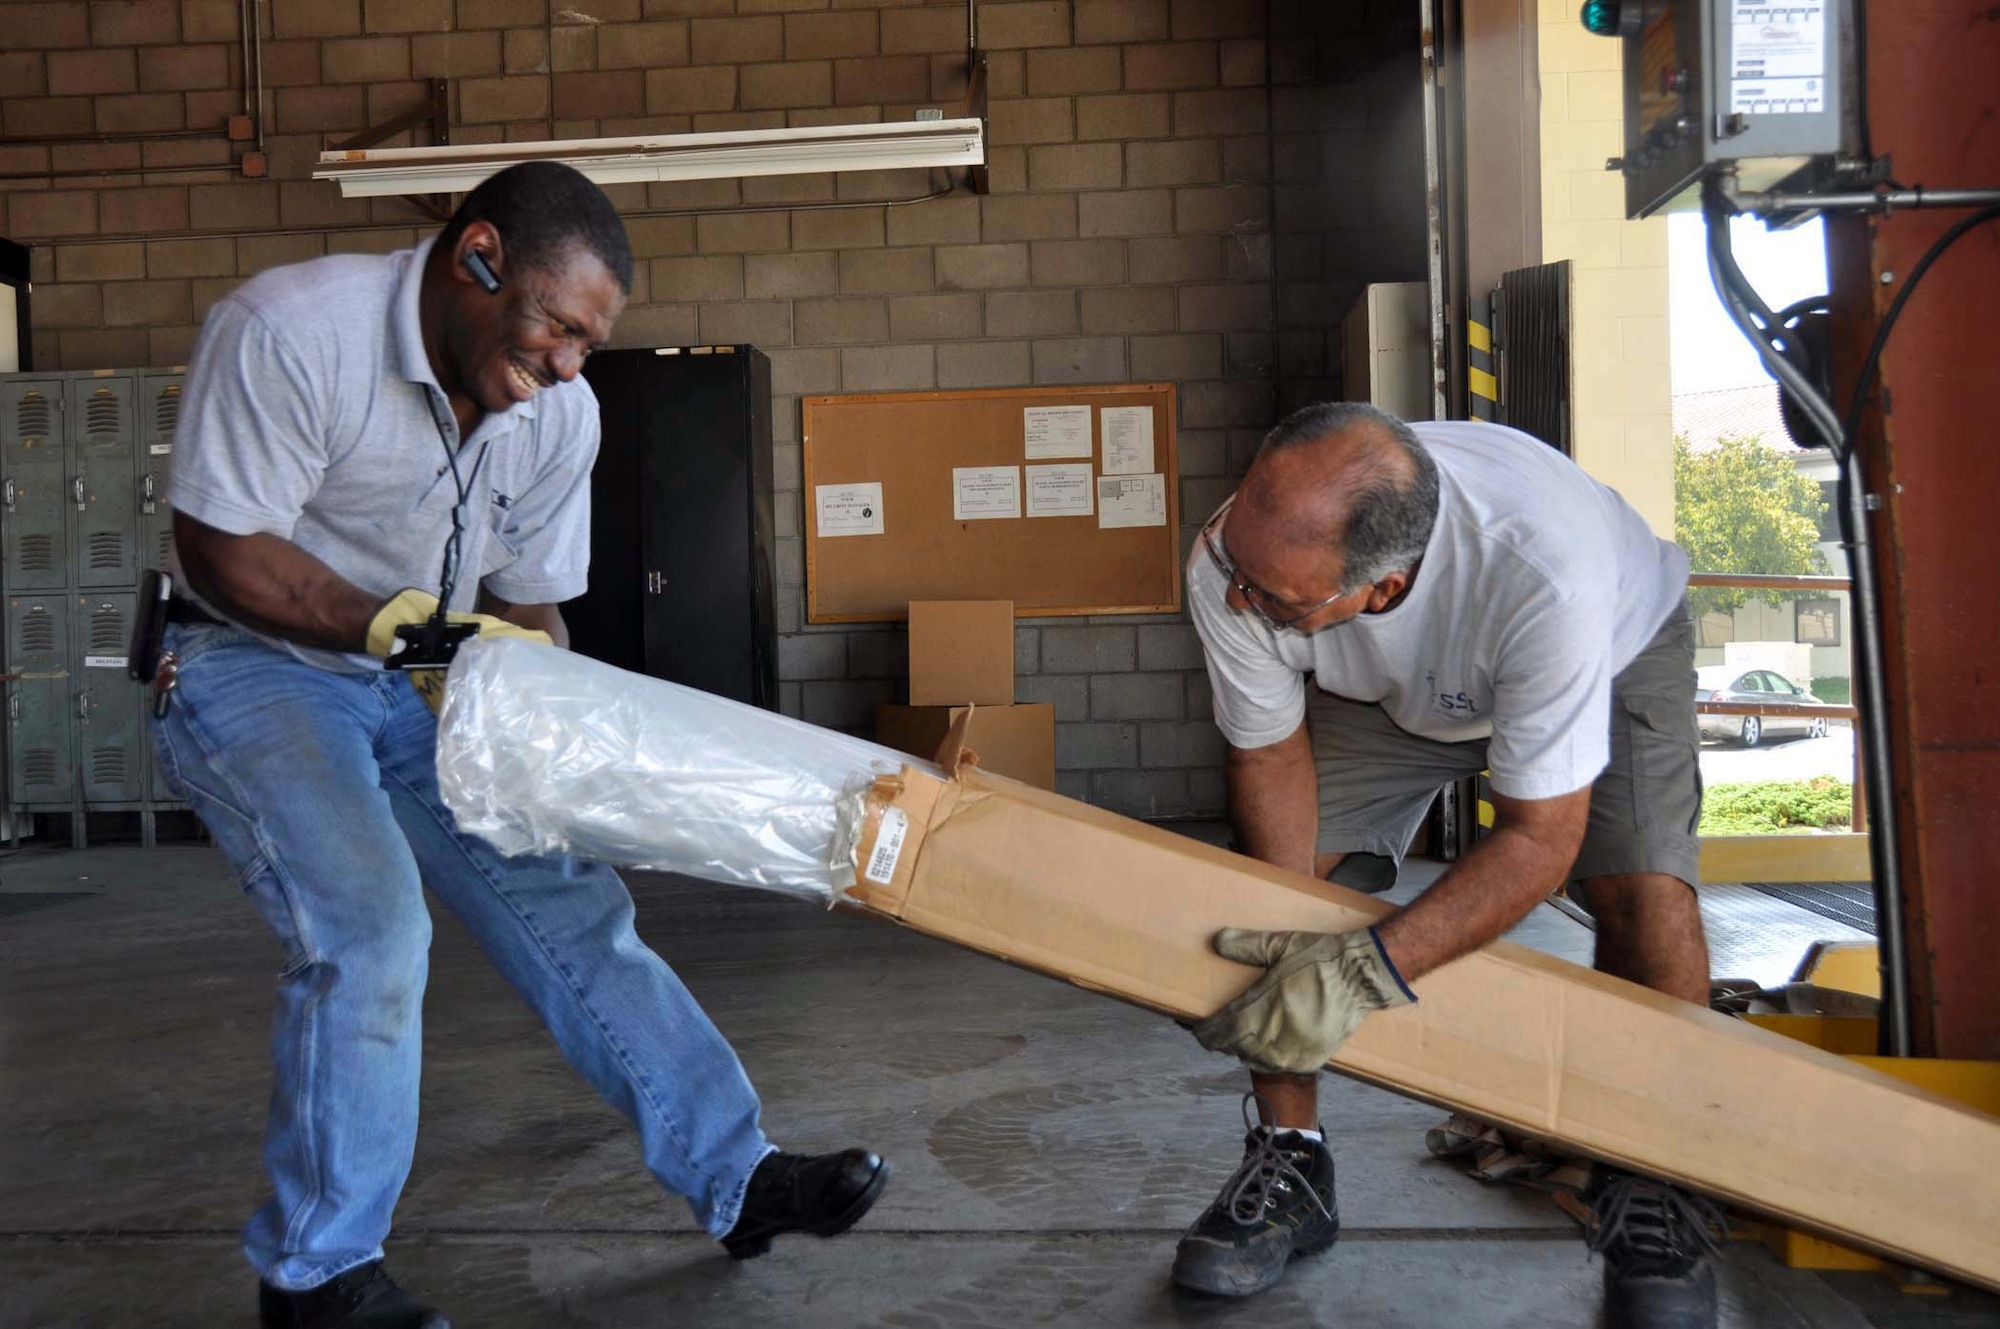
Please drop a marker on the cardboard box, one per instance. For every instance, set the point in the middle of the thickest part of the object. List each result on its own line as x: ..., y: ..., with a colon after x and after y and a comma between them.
x: 1604, y: 1067
x: 1015, y: 741
x: 961, y: 651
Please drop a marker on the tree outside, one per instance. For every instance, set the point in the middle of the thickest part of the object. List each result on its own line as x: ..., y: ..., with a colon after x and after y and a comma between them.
x: 1740, y: 506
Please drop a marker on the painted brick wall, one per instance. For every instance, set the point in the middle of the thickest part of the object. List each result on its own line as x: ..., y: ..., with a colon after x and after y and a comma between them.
x: 1624, y: 384
x: 1182, y: 190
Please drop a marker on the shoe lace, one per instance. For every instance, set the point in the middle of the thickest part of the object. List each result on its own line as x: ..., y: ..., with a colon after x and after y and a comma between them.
x: 1646, y: 1224
x: 1267, y: 1167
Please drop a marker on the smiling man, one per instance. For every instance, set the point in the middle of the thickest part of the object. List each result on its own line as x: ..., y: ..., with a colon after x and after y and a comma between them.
x: 354, y: 431
x: 1462, y: 598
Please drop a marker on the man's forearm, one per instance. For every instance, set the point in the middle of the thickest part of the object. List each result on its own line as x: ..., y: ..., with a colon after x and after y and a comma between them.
x: 268, y: 583
x: 1488, y: 891
x: 1274, y: 801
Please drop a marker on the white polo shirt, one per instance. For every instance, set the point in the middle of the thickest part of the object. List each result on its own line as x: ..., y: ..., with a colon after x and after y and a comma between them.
x: 310, y: 412
x: 1539, y: 585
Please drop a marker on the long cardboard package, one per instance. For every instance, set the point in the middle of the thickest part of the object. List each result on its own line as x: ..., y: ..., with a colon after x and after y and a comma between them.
x: 1602, y: 1066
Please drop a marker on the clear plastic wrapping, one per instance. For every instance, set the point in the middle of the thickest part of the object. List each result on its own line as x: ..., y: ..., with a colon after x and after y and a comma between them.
x: 542, y: 750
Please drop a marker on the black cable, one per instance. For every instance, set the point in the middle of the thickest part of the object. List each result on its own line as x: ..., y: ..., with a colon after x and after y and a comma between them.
x: 1861, y: 81
x: 1871, y: 700
x: 1758, y: 323
x: 1873, y: 363
x: 454, y: 543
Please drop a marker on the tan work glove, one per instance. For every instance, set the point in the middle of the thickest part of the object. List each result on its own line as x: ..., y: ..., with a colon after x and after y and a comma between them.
x: 413, y: 606
x: 1316, y: 988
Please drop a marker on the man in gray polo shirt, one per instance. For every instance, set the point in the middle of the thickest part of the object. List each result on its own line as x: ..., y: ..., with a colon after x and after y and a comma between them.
x: 357, y: 430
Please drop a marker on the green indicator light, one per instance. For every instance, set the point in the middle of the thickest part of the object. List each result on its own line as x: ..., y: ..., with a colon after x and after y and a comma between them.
x: 1601, y: 17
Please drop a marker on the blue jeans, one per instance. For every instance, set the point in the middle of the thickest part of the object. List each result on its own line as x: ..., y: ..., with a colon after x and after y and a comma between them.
x: 322, y: 790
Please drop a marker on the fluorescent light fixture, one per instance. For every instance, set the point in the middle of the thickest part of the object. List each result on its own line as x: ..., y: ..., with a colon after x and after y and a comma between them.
x: 454, y: 168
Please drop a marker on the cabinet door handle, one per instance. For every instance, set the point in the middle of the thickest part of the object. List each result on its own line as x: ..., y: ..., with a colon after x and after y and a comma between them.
x: 76, y: 487
x: 146, y: 493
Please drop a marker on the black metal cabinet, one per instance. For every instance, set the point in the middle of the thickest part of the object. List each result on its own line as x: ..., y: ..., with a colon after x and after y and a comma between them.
x: 681, y: 541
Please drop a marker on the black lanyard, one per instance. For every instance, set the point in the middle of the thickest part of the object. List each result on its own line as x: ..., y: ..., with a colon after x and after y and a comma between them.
x: 455, y: 542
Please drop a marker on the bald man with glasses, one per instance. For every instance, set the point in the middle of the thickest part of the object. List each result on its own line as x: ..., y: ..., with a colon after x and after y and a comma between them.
x: 1460, y: 598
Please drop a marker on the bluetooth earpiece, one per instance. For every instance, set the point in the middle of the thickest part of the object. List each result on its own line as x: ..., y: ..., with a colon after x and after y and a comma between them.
x: 482, y: 271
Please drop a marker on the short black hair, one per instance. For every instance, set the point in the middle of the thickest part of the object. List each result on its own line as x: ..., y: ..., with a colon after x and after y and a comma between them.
x: 540, y: 209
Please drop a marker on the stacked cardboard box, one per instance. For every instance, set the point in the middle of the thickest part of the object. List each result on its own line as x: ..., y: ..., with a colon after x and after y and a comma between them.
x: 962, y: 655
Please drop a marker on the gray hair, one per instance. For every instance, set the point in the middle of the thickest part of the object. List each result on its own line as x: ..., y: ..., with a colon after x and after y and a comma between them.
x: 1388, y: 517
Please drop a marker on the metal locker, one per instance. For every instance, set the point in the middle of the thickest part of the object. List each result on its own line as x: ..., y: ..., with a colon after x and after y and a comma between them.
x: 104, y: 480
x: 33, y: 539
x: 111, y: 731
x: 159, y: 415
x: 41, y: 738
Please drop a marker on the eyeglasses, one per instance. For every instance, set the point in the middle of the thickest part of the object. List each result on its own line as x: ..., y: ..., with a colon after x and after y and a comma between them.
x: 1253, y: 595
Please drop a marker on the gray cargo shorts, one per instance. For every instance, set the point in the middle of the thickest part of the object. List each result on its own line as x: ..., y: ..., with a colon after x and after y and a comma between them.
x: 1377, y: 780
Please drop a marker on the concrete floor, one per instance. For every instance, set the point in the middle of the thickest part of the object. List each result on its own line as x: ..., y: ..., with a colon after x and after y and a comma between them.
x: 1049, y: 1144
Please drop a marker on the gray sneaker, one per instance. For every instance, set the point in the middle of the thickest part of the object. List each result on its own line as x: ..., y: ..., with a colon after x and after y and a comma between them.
x: 1275, y: 1208
x: 1659, y: 1244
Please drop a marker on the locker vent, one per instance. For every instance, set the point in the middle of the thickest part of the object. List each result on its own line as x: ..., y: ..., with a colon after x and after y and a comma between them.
x: 166, y: 548
x: 106, y: 551
x: 103, y: 415
x: 167, y: 412
x: 38, y: 766
x: 34, y: 416
x: 38, y: 553
x: 38, y: 633
x: 107, y: 632
x: 107, y: 766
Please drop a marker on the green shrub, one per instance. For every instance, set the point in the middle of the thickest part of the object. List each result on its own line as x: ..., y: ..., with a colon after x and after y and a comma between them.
x: 1776, y: 807
x: 1832, y: 691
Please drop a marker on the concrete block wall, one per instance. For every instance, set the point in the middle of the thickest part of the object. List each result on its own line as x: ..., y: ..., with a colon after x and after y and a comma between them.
x: 1182, y: 190
x: 1624, y: 384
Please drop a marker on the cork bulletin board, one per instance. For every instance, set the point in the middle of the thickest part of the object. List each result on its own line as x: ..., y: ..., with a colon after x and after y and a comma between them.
x: 1063, y: 500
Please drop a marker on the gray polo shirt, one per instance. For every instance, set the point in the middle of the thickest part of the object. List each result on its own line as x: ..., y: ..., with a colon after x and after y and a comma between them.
x: 310, y: 411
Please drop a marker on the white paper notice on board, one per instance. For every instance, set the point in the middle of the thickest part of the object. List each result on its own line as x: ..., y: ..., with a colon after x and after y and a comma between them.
x: 1056, y: 431
x: 1128, y: 440
x: 1062, y: 490
x: 849, y: 509
x: 981, y: 492
x: 1132, y: 500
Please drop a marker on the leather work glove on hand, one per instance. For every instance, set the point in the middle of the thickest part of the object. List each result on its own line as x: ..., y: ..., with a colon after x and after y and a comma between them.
x: 413, y: 606
x: 1316, y: 988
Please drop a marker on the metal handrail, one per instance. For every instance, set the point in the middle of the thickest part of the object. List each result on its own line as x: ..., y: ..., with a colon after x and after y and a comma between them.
x: 1767, y: 581
x: 1814, y: 711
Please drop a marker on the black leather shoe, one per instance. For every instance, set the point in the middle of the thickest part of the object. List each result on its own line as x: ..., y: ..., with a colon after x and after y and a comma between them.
x: 1276, y: 1208
x: 1658, y: 1244
x: 364, y: 1297
x: 824, y: 1194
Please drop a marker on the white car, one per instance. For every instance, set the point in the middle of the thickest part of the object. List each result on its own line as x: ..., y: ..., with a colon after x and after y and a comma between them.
x: 1757, y: 686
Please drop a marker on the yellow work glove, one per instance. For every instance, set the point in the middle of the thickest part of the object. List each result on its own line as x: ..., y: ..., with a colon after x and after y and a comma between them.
x: 1316, y: 988
x: 413, y: 606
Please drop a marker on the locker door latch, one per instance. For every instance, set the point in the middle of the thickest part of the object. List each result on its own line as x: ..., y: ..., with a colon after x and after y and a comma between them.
x: 7, y: 494
x: 656, y: 583
x: 83, y: 705
x: 76, y: 487
x: 14, y: 708
x: 146, y: 495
